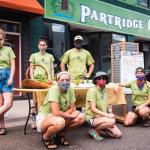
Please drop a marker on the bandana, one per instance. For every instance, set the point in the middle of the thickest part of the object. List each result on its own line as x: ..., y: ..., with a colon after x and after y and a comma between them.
x: 140, y: 81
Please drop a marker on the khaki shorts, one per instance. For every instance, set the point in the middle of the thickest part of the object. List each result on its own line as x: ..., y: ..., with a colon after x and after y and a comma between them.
x: 39, y: 118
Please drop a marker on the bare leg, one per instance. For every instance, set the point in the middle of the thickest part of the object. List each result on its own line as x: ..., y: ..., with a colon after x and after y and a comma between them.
x: 74, y: 123
x: 8, y: 102
x: 2, y: 115
x: 130, y: 119
x: 34, y: 111
x: 52, y: 125
x: 114, y: 132
x: 144, y: 112
x: 103, y: 123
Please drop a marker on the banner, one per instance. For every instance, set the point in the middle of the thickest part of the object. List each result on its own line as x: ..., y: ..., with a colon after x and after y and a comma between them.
x: 100, y: 15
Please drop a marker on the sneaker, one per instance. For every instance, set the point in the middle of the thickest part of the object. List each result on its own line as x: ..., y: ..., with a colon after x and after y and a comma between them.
x: 93, y: 133
x: 146, y: 123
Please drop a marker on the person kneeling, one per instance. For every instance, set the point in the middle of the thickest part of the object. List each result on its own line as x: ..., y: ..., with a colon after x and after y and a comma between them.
x: 96, y: 110
x: 58, y: 113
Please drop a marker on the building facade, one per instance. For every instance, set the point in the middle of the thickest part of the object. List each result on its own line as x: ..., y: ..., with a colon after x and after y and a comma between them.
x: 101, y: 23
x: 16, y: 19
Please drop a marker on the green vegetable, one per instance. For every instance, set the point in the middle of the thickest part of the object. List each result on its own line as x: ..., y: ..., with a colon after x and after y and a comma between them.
x: 40, y: 77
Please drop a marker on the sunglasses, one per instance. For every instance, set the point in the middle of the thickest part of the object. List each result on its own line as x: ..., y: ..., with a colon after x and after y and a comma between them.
x: 101, y: 78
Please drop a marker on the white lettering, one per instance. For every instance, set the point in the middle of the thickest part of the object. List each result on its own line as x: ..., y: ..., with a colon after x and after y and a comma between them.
x: 110, y: 17
x: 94, y: 15
x: 135, y: 24
x: 85, y: 12
x: 103, y: 18
x: 118, y: 22
x: 129, y: 23
x: 140, y: 24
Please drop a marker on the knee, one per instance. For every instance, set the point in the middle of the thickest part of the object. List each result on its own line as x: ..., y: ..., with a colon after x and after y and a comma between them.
x: 143, y: 113
x: 8, y: 105
x: 59, y: 123
x: 118, y: 135
x: 113, y: 121
x: 80, y: 119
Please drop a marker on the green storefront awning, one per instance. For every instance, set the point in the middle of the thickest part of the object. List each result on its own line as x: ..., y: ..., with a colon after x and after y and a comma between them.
x: 100, y: 15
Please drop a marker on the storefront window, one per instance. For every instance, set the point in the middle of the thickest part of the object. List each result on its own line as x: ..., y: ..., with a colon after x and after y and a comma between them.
x: 10, y: 27
x: 143, y: 3
x: 118, y: 38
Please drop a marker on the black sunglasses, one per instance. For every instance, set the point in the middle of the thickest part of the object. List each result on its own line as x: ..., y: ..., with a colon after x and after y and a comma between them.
x: 102, y: 78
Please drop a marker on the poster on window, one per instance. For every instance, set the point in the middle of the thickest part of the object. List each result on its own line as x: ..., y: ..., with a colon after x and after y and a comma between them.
x: 129, y: 62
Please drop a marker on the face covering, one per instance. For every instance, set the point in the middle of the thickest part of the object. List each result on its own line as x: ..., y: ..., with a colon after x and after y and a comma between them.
x: 101, y: 83
x: 140, y: 81
x: 78, y: 45
x: 64, y: 86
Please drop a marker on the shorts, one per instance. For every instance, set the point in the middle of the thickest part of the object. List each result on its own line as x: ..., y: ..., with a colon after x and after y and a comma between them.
x: 134, y: 107
x: 4, y: 76
x: 39, y: 118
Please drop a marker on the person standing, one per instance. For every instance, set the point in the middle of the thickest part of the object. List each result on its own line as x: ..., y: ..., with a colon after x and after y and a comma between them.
x: 140, y: 99
x: 45, y: 60
x: 7, y: 71
x: 76, y: 60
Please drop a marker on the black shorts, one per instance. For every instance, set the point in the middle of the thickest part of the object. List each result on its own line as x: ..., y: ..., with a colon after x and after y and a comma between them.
x: 134, y: 107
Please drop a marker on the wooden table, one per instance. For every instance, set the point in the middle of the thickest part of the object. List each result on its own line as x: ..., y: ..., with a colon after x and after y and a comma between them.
x: 28, y: 92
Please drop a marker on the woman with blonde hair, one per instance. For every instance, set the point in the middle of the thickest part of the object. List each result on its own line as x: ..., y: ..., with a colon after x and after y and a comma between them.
x: 7, y: 70
x: 58, y: 113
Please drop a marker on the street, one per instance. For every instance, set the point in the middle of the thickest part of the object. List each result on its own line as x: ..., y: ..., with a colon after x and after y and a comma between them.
x: 134, y: 138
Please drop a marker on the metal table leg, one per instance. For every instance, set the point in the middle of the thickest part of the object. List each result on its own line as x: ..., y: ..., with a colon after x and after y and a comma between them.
x: 29, y: 112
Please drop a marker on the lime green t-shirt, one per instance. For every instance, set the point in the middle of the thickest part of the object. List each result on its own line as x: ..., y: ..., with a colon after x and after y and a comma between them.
x: 76, y: 62
x: 6, y: 54
x: 139, y: 96
x: 44, y: 60
x: 63, y: 99
x: 99, y: 96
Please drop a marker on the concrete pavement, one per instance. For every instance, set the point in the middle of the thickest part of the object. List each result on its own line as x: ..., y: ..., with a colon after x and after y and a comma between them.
x: 133, y: 138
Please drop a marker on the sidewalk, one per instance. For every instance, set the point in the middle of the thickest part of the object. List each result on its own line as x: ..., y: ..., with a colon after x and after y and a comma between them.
x: 17, y: 114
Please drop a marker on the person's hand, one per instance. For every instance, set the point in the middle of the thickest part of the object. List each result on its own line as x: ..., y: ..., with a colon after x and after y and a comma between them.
x: 10, y: 81
x: 75, y: 114
x: 111, y: 115
x: 119, y: 84
x: 138, y: 108
x: 87, y: 75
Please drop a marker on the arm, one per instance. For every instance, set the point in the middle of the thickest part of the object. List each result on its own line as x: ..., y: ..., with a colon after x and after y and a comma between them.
x: 91, y: 68
x: 52, y: 71
x: 62, y: 66
x: 31, y: 70
x: 56, y: 111
x: 12, y: 71
x: 98, y: 112
x: 144, y: 104
x: 122, y: 84
x: 71, y: 109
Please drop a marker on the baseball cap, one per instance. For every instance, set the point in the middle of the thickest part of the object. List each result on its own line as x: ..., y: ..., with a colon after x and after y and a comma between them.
x: 78, y: 37
x: 100, y: 73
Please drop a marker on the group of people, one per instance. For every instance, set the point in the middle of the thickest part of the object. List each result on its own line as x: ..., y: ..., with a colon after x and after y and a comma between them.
x: 58, y: 114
